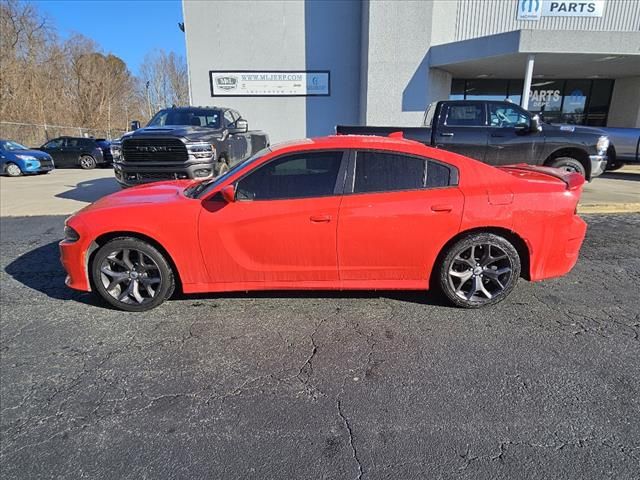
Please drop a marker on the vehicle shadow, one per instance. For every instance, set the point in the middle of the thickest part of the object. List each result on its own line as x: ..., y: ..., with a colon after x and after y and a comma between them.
x: 629, y: 176
x: 90, y: 190
x: 40, y: 269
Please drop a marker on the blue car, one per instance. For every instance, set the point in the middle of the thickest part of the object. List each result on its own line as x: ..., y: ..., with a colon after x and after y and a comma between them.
x: 16, y: 159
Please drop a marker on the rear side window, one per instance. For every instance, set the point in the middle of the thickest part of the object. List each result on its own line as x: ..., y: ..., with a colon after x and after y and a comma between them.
x: 386, y: 172
x: 300, y: 175
x: 465, y: 115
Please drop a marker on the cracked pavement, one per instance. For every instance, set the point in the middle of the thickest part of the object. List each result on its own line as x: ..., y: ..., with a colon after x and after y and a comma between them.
x: 322, y: 385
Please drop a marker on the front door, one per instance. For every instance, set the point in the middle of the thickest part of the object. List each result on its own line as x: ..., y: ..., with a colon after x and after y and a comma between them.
x: 401, y: 211
x: 55, y: 148
x: 462, y: 129
x: 510, y: 137
x: 281, y: 230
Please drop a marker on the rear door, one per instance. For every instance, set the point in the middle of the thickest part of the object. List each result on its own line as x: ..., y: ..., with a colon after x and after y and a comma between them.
x: 72, y: 150
x: 510, y: 137
x: 397, y: 212
x: 462, y: 128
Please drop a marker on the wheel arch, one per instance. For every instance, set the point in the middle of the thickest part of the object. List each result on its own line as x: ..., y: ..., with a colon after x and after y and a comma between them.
x: 106, y: 237
x: 516, y: 240
x: 574, y: 152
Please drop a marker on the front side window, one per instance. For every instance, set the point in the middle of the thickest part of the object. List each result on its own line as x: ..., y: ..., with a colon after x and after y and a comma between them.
x: 228, y: 118
x: 505, y: 115
x: 299, y: 175
x: 465, y: 115
x: 386, y: 172
x: 56, y: 143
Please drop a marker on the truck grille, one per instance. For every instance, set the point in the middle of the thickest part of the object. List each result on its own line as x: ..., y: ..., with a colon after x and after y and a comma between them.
x: 154, y: 150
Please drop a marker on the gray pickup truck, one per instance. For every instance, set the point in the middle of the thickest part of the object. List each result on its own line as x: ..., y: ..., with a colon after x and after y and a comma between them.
x: 184, y: 142
x: 502, y: 133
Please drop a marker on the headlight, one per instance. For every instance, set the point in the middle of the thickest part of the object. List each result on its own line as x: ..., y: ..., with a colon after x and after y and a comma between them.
x: 27, y: 157
x: 201, y: 151
x: 70, y: 235
x: 116, y: 151
x: 602, y: 145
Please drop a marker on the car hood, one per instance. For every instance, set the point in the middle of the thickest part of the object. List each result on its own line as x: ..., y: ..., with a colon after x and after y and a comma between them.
x: 174, y: 130
x: 33, y: 153
x: 151, y: 193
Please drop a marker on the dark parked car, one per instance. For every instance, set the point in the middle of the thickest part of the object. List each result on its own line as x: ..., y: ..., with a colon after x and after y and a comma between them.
x: 502, y: 133
x: 16, y: 159
x: 185, y: 142
x: 86, y: 153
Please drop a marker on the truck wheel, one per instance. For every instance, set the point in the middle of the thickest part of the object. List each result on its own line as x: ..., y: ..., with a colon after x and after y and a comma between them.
x: 13, y: 170
x: 479, y: 269
x: 87, y: 162
x: 569, y: 164
x: 612, y: 166
x: 221, y: 167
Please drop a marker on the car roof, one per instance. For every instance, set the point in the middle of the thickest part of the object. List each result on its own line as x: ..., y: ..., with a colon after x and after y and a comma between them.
x: 351, y: 141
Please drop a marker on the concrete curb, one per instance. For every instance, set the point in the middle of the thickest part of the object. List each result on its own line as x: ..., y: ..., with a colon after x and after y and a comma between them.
x: 610, y: 208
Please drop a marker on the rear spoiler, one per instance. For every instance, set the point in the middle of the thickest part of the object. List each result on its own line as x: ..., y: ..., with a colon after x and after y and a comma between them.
x: 572, y: 180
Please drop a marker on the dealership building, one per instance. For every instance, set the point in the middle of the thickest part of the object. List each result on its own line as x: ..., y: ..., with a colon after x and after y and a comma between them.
x: 296, y: 68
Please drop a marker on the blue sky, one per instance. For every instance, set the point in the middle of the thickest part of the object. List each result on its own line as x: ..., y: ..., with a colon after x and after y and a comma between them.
x: 128, y: 29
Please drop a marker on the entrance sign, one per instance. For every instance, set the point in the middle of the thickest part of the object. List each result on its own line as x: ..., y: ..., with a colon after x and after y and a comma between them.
x: 274, y: 83
x: 534, y: 9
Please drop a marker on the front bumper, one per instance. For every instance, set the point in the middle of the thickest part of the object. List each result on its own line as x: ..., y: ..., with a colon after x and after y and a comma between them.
x: 73, y: 256
x: 129, y: 176
x: 598, y: 164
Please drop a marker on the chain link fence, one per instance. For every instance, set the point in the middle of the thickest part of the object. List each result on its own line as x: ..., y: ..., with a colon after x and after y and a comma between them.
x: 35, y: 135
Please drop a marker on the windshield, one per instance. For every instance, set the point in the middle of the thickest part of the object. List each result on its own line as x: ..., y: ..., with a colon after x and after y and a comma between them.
x: 9, y: 145
x: 196, y: 117
x: 203, y: 188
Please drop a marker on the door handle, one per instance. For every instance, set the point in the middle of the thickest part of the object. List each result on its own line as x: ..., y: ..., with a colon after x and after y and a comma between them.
x: 446, y: 134
x: 441, y: 208
x: 320, y: 218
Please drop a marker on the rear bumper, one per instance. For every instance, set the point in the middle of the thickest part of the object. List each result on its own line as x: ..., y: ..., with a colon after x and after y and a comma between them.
x: 129, y: 175
x: 598, y: 164
x: 563, y: 250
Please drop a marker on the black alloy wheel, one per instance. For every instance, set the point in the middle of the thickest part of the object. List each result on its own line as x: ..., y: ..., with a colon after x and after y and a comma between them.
x: 131, y: 275
x: 480, y: 269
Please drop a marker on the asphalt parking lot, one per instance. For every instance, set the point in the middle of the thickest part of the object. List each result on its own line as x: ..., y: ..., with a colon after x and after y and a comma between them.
x: 316, y: 385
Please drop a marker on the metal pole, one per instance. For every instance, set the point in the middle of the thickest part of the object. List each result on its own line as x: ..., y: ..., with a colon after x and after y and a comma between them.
x: 528, y: 75
x: 148, y: 99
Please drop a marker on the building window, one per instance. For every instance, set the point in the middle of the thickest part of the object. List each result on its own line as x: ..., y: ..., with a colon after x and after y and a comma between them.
x: 575, y: 101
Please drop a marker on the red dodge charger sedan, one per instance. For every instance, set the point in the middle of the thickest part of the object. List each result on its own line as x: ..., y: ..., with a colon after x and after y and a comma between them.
x: 340, y: 212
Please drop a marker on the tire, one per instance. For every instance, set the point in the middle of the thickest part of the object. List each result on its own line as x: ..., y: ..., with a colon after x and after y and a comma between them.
x: 612, y: 167
x: 470, y: 279
x: 569, y: 164
x: 221, y: 166
x: 87, y: 162
x: 114, y: 264
x: 12, y: 169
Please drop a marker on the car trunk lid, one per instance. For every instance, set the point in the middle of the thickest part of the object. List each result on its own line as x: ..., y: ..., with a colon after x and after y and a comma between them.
x: 572, y: 180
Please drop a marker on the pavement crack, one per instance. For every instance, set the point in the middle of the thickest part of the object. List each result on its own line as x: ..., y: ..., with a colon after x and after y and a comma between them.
x: 354, y: 451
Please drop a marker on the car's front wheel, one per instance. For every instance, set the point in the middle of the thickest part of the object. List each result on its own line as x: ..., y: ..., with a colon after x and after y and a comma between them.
x: 479, y: 269
x: 569, y: 164
x: 131, y: 274
x: 87, y: 162
x: 12, y: 170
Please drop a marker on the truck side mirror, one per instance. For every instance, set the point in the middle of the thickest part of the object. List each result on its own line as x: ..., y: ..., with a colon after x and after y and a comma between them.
x: 242, y: 126
x: 229, y: 193
x: 535, y: 124
x: 135, y: 125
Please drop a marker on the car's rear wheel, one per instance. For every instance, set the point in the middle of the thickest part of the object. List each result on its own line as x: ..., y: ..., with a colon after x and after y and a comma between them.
x: 132, y: 275
x: 569, y: 164
x: 12, y: 170
x: 87, y: 162
x: 479, y: 269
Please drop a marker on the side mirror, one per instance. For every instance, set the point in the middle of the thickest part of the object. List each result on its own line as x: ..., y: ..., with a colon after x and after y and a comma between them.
x: 135, y: 125
x: 242, y: 126
x: 229, y: 193
x: 536, y: 124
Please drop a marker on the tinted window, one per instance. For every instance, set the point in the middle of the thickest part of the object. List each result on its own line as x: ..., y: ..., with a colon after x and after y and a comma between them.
x: 383, y: 172
x: 465, y: 115
x: 300, y: 175
x: 56, y: 143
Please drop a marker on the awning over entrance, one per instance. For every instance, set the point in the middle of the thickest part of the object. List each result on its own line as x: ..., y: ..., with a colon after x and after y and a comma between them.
x: 558, y: 54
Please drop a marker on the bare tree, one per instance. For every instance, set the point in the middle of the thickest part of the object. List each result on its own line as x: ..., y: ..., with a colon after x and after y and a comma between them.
x: 164, y: 76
